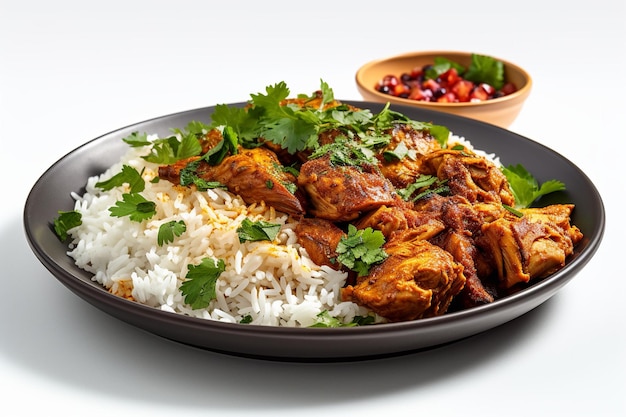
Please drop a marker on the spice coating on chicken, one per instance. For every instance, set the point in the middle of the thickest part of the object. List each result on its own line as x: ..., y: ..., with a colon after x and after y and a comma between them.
x: 254, y: 174
x: 417, y: 143
x: 474, y: 177
x: 532, y: 246
x: 320, y: 238
x: 343, y: 193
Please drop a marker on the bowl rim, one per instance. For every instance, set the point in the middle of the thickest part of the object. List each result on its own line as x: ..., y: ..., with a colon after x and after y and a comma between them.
x: 520, y: 93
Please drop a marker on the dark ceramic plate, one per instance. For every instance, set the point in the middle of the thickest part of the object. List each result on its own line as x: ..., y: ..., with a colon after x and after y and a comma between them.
x: 52, y: 193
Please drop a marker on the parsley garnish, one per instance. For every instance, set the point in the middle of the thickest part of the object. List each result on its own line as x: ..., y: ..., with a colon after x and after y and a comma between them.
x: 525, y: 187
x: 66, y: 221
x: 168, y: 230
x: 199, y: 289
x: 361, y: 249
x: 128, y: 175
x: 135, y: 206
x: 256, y: 231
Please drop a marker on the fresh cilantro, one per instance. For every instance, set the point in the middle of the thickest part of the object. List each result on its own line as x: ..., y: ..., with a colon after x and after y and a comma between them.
x: 400, y: 152
x: 66, y: 221
x: 441, y: 65
x: 361, y: 249
x: 525, y: 187
x: 199, y: 288
x: 193, y: 128
x: 485, y: 69
x: 135, y: 206
x: 189, y: 176
x: 256, y: 231
x: 291, y: 126
x: 424, y: 185
x: 228, y: 145
x: 247, y: 319
x: 185, y: 143
x: 128, y: 175
x: 440, y: 133
x: 137, y: 140
x: 325, y: 320
x: 296, y: 127
x: 345, y: 152
x: 168, y: 230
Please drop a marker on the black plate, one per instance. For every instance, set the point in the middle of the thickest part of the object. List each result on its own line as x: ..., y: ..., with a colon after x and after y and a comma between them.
x: 52, y: 193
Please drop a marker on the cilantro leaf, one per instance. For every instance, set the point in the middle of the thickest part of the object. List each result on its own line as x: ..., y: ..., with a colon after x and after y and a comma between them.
x: 485, y: 69
x: 66, y: 221
x: 168, y: 230
x: 137, y: 140
x: 361, y: 249
x: 441, y: 65
x: 424, y: 185
x: 243, y: 120
x: 135, y: 206
x: 525, y: 187
x: 256, y: 231
x: 128, y: 175
x: 228, y: 145
x: 189, y: 175
x: 172, y: 149
x: 345, y: 152
x: 199, y: 288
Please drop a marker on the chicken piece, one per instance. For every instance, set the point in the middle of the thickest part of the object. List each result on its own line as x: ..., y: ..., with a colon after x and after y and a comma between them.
x: 402, y: 172
x: 471, y: 176
x: 343, y: 193
x: 320, y: 238
x: 463, y: 222
x: 385, y: 219
x: 254, y: 174
x: 417, y: 280
x: 533, y: 246
x: 464, y: 251
x: 389, y: 220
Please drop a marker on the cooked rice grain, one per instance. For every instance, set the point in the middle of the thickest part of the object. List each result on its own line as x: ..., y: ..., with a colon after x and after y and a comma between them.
x: 275, y: 283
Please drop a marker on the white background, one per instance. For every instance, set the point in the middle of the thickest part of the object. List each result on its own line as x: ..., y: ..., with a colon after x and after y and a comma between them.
x: 72, y: 71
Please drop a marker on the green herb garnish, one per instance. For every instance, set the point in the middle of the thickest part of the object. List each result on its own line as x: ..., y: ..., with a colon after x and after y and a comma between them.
x: 168, y: 230
x: 66, y: 221
x: 199, y: 288
x: 426, y: 185
x: 135, y: 206
x: 325, y: 320
x: 257, y: 231
x: 128, y: 175
x: 525, y: 187
x: 360, y: 249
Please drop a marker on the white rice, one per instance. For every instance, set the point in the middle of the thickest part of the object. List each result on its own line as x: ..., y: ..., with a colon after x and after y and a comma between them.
x: 273, y: 283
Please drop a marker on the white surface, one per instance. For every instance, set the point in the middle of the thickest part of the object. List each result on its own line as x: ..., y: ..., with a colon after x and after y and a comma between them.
x: 70, y: 72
